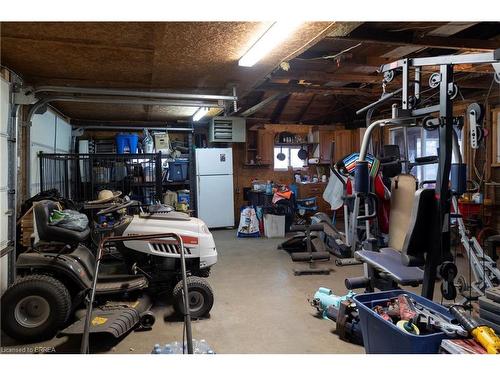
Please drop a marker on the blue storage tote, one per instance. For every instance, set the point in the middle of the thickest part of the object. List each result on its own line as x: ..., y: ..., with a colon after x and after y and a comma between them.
x: 183, y: 196
x: 126, y: 140
x: 382, y: 337
x: 178, y: 170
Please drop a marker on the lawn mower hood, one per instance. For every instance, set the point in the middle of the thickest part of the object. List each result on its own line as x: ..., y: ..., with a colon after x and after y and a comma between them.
x: 198, y: 241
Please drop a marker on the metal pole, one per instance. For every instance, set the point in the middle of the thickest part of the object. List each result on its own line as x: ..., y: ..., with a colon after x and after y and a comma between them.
x: 405, y: 149
x: 84, y: 348
x: 442, y: 245
x: 456, y: 148
x: 193, y: 203
x: 138, y: 93
x: 417, y: 82
x: 187, y: 312
x: 131, y: 101
x: 12, y: 188
x: 235, y: 102
x: 42, y: 180
x: 405, y: 106
x: 138, y: 127
x: 158, y: 177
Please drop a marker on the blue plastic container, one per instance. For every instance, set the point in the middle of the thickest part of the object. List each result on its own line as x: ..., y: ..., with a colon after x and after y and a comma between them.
x: 126, y: 140
x: 382, y: 337
x: 183, y: 196
x: 178, y: 170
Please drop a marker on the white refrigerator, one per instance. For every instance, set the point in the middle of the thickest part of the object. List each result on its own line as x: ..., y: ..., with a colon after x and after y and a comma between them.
x: 214, y: 184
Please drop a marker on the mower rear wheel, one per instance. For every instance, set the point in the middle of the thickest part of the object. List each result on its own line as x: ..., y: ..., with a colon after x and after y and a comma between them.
x: 34, y: 308
x: 201, y: 297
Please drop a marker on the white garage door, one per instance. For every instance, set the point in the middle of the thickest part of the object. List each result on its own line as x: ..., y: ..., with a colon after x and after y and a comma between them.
x: 4, y: 235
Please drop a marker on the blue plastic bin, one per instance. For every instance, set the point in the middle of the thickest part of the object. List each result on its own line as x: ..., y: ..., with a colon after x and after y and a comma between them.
x: 126, y: 140
x: 178, y: 170
x: 382, y: 337
x: 183, y: 196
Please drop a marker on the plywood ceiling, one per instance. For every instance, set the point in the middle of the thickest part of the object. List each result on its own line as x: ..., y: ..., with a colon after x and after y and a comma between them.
x: 201, y: 57
x: 176, y: 56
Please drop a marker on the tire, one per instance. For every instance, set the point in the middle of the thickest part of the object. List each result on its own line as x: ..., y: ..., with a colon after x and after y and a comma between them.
x: 200, y: 294
x: 34, y: 308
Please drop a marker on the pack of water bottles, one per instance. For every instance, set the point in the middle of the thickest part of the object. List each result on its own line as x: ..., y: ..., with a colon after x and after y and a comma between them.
x: 177, y: 347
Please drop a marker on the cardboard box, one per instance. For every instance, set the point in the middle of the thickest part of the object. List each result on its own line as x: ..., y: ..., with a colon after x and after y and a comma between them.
x: 162, y: 142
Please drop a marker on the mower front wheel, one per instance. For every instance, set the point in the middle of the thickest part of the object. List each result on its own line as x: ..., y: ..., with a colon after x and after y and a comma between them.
x: 201, y: 297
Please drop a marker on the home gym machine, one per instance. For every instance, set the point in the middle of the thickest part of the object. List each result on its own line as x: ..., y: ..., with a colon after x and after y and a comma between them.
x: 431, y: 205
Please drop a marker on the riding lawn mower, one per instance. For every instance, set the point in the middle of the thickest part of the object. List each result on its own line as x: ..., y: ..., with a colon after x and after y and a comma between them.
x: 56, y: 275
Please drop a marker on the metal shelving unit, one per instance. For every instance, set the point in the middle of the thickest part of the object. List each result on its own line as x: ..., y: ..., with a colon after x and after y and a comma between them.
x: 79, y: 177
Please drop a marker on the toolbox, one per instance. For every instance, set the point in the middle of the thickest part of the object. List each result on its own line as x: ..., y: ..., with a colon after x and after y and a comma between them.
x: 383, y: 337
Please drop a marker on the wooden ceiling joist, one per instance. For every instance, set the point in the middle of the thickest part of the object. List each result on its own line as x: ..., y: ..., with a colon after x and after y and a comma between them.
x: 291, y: 88
x: 322, y: 76
x: 278, y: 110
x: 261, y: 105
x: 423, y: 42
x: 305, y: 109
x: 344, y: 28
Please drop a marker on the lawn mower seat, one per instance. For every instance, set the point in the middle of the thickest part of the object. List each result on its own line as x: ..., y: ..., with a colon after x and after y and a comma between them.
x: 52, y: 233
x: 402, y: 264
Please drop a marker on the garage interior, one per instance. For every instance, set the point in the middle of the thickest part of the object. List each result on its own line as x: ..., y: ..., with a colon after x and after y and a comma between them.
x: 337, y: 193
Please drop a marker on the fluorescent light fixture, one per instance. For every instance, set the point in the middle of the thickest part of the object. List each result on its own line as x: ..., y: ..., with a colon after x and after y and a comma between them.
x: 276, y: 34
x: 200, y: 113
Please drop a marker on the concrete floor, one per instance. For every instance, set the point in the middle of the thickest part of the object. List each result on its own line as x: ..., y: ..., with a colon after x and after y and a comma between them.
x: 260, y: 307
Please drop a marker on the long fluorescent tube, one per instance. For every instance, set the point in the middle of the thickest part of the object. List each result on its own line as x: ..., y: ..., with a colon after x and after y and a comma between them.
x: 276, y: 34
x: 200, y: 113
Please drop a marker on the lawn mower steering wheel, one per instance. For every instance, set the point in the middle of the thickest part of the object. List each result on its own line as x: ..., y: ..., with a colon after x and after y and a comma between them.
x: 119, y: 207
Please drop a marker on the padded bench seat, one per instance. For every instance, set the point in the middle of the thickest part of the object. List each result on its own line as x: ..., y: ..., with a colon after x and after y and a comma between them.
x: 388, y: 260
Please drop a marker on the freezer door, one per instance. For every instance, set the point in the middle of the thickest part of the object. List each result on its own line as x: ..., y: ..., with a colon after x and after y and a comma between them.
x: 215, y: 200
x: 211, y: 161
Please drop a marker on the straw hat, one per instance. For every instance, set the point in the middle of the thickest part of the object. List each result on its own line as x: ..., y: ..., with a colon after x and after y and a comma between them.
x: 106, y: 196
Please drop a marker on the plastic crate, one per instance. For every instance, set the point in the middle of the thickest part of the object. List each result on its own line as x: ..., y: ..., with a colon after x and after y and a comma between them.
x: 178, y: 170
x: 382, y: 337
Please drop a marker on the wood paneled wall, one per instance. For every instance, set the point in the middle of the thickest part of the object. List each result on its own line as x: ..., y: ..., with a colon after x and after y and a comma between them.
x: 243, y: 175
